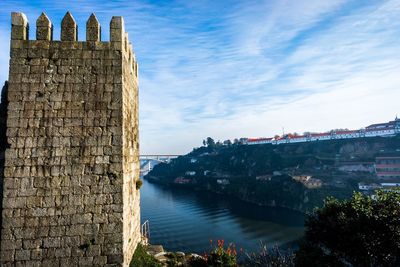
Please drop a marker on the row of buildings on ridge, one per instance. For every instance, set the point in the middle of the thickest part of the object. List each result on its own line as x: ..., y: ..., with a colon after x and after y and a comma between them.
x: 390, y: 128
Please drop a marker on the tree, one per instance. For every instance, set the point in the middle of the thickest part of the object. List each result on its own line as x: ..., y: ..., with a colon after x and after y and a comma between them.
x: 362, y: 231
x: 227, y: 142
x: 210, y: 142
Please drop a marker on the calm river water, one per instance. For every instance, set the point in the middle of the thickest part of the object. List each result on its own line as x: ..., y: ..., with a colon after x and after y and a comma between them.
x: 184, y: 220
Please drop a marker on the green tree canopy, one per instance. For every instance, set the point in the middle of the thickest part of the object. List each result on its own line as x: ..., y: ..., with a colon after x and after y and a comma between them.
x: 210, y: 142
x: 362, y: 231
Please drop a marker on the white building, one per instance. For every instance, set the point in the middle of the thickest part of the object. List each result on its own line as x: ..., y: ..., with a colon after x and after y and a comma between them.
x: 367, y: 187
x: 390, y: 128
x: 390, y: 184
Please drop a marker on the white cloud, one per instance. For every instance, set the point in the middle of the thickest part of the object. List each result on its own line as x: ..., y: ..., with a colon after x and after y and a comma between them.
x: 247, y: 68
x: 343, y: 76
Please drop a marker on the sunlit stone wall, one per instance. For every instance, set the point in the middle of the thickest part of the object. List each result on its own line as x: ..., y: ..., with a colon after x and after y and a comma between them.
x: 69, y: 189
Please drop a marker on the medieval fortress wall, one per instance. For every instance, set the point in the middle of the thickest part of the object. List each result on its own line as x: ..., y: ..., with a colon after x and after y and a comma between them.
x: 70, y: 175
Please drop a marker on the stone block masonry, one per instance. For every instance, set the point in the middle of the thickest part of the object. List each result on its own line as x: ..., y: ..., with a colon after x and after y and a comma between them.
x: 70, y: 196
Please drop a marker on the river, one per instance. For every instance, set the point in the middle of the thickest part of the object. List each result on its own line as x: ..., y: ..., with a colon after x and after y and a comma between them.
x: 185, y: 220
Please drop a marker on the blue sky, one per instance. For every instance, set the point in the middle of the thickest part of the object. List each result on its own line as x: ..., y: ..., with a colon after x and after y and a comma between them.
x: 246, y: 68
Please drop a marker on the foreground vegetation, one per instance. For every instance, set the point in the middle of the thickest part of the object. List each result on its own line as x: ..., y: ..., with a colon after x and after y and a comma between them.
x: 362, y: 231
x: 141, y: 258
x: 358, y: 232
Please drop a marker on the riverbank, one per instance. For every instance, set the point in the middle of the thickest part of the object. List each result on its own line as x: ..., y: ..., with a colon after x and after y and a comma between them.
x: 155, y: 256
x: 279, y: 192
x: 225, y: 195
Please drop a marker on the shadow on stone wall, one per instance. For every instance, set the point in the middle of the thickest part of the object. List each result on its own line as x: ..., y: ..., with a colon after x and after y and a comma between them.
x: 3, y: 142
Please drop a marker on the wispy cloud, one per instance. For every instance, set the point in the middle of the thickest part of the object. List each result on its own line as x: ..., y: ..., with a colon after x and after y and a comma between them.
x: 248, y: 68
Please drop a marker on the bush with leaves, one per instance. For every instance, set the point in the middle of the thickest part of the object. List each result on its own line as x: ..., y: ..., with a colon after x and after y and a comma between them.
x: 361, y: 231
x: 222, y: 256
x: 143, y: 259
x: 269, y: 257
x: 139, y: 184
x: 197, y: 262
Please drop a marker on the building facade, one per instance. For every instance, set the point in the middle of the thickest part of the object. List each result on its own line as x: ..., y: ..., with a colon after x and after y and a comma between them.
x: 387, y: 129
x: 387, y: 167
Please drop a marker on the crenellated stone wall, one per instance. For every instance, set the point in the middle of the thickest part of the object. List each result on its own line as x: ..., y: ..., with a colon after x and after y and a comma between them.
x: 70, y: 175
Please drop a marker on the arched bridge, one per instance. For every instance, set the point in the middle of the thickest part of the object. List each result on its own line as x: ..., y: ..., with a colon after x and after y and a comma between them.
x: 158, y: 157
x: 148, y: 161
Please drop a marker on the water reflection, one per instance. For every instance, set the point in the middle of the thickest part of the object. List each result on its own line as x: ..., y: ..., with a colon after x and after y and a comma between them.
x: 183, y: 220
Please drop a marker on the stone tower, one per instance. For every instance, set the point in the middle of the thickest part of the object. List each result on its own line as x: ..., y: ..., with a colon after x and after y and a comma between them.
x: 70, y: 196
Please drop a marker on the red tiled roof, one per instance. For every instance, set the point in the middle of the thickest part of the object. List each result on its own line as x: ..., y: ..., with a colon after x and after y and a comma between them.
x: 347, y: 132
x: 258, y: 139
x: 371, y: 128
x: 320, y: 134
x: 297, y: 136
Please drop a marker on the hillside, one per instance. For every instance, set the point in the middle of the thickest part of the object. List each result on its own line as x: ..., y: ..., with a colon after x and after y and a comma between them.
x: 263, y: 174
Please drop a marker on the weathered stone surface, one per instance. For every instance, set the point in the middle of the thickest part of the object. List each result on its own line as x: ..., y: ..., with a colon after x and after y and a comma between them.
x: 69, y: 28
x: 69, y: 189
x: 117, y: 32
x: 93, y: 32
x: 19, y: 26
x: 44, y: 28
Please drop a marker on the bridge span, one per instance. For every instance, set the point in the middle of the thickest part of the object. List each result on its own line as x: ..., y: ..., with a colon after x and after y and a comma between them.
x: 158, y: 157
x: 148, y: 161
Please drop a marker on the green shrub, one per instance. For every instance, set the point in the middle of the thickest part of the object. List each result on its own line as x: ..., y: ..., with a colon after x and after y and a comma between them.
x: 197, y: 262
x: 142, y: 259
x: 361, y: 231
x: 266, y: 257
x: 221, y: 256
x: 139, y: 184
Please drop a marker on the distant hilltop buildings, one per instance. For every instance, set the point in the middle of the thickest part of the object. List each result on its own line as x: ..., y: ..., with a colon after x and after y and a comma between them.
x: 387, y: 167
x: 386, y: 129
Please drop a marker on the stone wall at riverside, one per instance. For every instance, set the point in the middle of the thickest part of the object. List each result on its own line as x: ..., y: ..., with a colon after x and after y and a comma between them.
x: 70, y: 172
